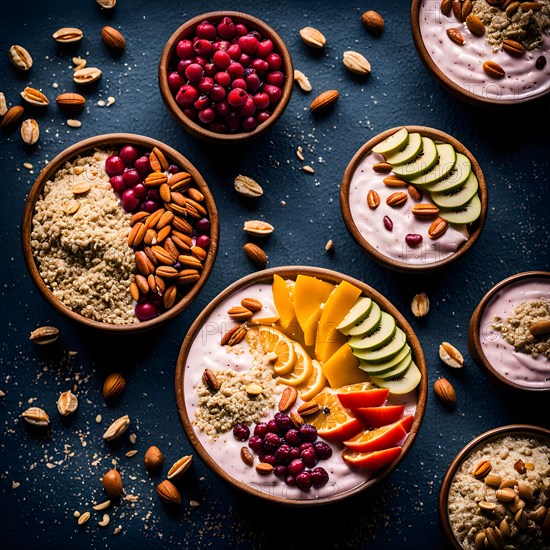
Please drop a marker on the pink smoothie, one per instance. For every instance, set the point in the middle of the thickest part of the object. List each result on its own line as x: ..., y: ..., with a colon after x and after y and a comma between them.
x: 370, y: 223
x: 463, y: 64
x: 518, y: 367
x: 206, y: 352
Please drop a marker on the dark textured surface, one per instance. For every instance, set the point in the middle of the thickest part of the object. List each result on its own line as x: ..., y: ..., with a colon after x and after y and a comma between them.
x: 511, y: 146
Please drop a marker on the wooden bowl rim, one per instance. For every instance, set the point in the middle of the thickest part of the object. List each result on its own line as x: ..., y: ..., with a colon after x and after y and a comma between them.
x: 448, y: 84
x: 192, y: 127
x: 474, y: 343
x: 266, y: 276
x: 485, y: 437
x: 371, y: 251
x: 104, y: 141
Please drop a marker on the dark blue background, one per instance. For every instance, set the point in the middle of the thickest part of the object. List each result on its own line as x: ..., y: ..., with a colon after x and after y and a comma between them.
x: 511, y: 145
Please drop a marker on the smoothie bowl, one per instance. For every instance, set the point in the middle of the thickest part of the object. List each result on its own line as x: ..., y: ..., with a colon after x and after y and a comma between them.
x: 301, y: 386
x: 485, y: 52
x: 495, y: 492
x: 509, y: 333
x: 414, y: 198
x: 120, y: 233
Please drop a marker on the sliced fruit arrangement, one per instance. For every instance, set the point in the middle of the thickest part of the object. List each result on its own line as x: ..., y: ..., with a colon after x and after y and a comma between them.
x: 437, y: 168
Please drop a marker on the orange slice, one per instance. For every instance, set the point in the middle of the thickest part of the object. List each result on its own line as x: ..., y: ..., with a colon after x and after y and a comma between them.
x: 272, y: 340
x: 377, y: 439
x: 314, y: 384
x: 302, y: 370
x: 333, y: 421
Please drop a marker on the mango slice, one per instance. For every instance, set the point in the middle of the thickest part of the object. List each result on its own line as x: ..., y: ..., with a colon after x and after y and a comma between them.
x: 342, y: 368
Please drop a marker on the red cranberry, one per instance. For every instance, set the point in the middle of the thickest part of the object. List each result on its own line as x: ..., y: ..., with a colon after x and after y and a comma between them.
x: 150, y: 206
x: 241, y: 431
x: 186, y: 95
x: 239, y: 83
x: 129, y: 200
x: 265, y: 47
x: 199, y: 60
x: 274, y: 92
x: 248, y: 108
x: 388, y: 224
x: 280, y: 470
x: 323, y: 450
x: 117, y: 183
x: 223, y: 78
x: 206, y: 30
x: 226, y: 28
x: 140, y: 191
x: 263, y: 116
x: 173, y: 169
x: 237, y: 97
x: 296, y: 466
x: 146, y: 311
x: 221, y: 45
x: 221, y: 59
x: 210, y: 70
x: 131, y: 176
x: 235, y: 70
x: 203, y: 102
x: 269, y: 458
x: 308, y: 432
x: 294, y: 453
x: 248, y: 44
x: 222, y: 107
x: 261, y: 100
x: 276, y: 78
x: 274, y: 61
x: 249, y: 123
x: 233, y: 121
x: 293, y: 437
x: 202, y: 47
x: 245, y: 60
x: 309, y: 457
x: 256, y: 443
x: 184, y: 49
x: 261, y: 429
x: 206, y: 116
x: 203, y: 225
x: 283, y: 421
x: 261, y: 66
x: 273, y: 426
x: 190, y: 112
x: 253, y: 82
x: 234, y: 51
x: 217, y: 93
x: 153, y: 194
x: 182, y: 65
x: 303, y: 480
x: 205, y: 85
x: 282, y: 454
x: 175, y: 81
x: 319, y: 477
x: 240, y: 30
x: 114, y: 165
x: 290, y: 480
x: 203, y: 241
x: 194, y: 72
x: 142, y: 165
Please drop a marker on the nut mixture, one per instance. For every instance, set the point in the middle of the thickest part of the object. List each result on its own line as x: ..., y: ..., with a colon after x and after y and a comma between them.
x: 474, y: 503
x: 515, y: 328
x: 79, y: 240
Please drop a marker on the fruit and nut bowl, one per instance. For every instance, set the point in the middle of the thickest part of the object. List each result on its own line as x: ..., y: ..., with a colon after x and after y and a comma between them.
x: 414, y: 198
x: 120, y: 232
x: 301, y: 385
x: 225, y: 76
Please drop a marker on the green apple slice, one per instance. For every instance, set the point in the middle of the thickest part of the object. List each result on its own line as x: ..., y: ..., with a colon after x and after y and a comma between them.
x: 411, y: 150
x: 455, y: 178
x: 381, y: 335
x: 381, y: 368
x: 369, y: 323
x: 467, y: 213
x: 356, y: 314
x: 444, y: 164
x: 393, y: 143
x: 383, y: 353
x: 459, y: 196
x: 422, y: 162
x: 399, y: 386
x: 398, y: 371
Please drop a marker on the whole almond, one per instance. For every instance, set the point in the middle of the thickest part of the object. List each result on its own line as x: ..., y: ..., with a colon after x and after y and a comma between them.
x: 258, y: 228
x: 210, y: 380
x: 114, y: 386
x: 153, y: 458
x: 414, y: 192
x: 20, y: 57
x: 30, y: 132
x: 247, y: 187
x: 113, y: 39
x: 34, y: 97
x: 445, y: 391
x: 252, y: 304
x: 425, y: 210
x: 513, y: 47
x: 233, y: 336
x: 288, y: 398
x: 373, y: 199
x: 356, y: 62
x: 539, y: 328
x: 296, y: 418
x: 324, y: 101
x: 437, y: 228
x: 493, y: 69
x: 255, y: 254
x: 302, y: 80
x: 86, y: 75
x: 68, y: 35
x: 475, y: 25
x: 313, y: 37
x: 169, y: 493
x: 446, y: 6
x: 456, y: 36
x: 511, y: 8
x: 12, y: 115
x: 112, y: 483
x: 70, y: 101
x: 420, y: 305
x: 382, y: 167
x: 394, y: 181
x: 67, y: 403
x: 397, y: 199
x: 44, y: 335
x: 450, y: 355
x: 246, y: 456
x: 373, y: 22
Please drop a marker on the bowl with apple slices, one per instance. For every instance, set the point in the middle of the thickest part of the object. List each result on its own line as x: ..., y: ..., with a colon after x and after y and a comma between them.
x: 414, y: 198
x: 295, y: 358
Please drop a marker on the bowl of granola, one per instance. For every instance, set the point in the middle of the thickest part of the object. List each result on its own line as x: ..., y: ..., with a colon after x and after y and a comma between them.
x: 509, y: 332
x: 485, y: 52
x: 120, y: 233
x: 495, y: 491
x: 301, y: 385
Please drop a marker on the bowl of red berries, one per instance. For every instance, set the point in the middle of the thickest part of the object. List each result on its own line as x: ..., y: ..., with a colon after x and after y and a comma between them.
x: 120, y: 233
x: 225, y: 76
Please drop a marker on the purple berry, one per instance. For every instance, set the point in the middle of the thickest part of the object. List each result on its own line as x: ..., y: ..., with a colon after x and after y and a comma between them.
x: 319, y: 476
x: 271, y: 441
x: 292, y: 436
x: 308, y: 432
x: 309, y: 457
x: 280, y: 471
x: 260, y: 429
x: 241, y: 431
x: 256, y: 443
x: 290, y: 480
x: 145, y: 311
x: 296, y: 466
x: 129, y: 154
x: 129, y: 200
x: 269, y: 458
x: 282, y: 454
x: 303, y: 480
x: 114, y: 165
x: 323, y: 450
x: 272, y: 426
x: 294, y: 453
x: 283, y: 421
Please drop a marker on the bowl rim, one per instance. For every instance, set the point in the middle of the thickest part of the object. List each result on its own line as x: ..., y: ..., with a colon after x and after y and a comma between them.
x: 485, y: 437
x: 104, y: 141
x: 474, y: 343
x: 448, y: 84
x: 266, y: 276
x: 370, y: 250
x: 192, y: 127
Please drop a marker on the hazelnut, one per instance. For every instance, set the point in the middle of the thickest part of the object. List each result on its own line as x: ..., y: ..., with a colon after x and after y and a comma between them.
x: 153, y: 458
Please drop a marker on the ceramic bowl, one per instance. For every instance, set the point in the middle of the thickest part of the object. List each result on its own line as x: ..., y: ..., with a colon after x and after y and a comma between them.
x: 387, y: 244
x: 496, y: 357
x: 466, y: 461
x: 168, y: 63
x: 459, y: 67
x: 202, y: 349
x: 186, y: 291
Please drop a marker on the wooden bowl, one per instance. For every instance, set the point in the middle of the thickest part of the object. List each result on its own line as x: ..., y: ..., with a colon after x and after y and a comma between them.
x: 113, y: 140
x: 520, y: 430
x: 395, y: 264
x: 209, y: 328
x: 474, y: 86
x: 479, y: 351
x: 185, y: 31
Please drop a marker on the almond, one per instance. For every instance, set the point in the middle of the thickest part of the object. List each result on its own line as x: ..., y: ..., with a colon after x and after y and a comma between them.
x: 425, y: 210
x: 255, y: 254
x: 456, y: 36
x: 539, y: 328
x: 288, y: 398
x: 373, y: 22
x: 112, y: 483
x: 70, y: 101
x: 313, y: 37
x: 475, y: 25
x: 114, y: 386
x: 414, y: 192
x: 394, y: 181
x: 437, y: 228
x: 113, y: 39
x: 246, y: 456
x: 180, y: 467
x: 481, y: 469
x: 68, y: 35
x: 233, y: 336
x: 210, y: 380
x: 34, y: 97
x: 512, y: 8
x: 446, y: 6
x: 493, y: 69
x: 397, y: 199
x: 445, y: 391
x: 450, y: 355
x: 324, y: 101
x: 373, y: 199
x: 169, y: 493
x: 12, y: 115
x: 382, y: 167
x: 513, y: 47
x: 252, y: 304
x: 153, y: 458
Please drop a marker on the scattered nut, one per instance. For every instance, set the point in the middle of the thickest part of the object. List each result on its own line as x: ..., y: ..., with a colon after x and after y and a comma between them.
x: 35, y: 416
x: 324, y: 101
x: 30, y: 132
x: 312, y: 37
x: 114, y: 386
x: 112, y: 483
x: 258, y: 228
x: 67, y: 403
x: 288, y: 398
x: 248, y: 187
x: 153, y: 458
x: 373, y: 22
x: 169, y: 493
x: 255, y: 254
x: 303, y: 81
x: 113, y: 39
x: 450, y: 355
x: 180, y: 467
x: 444, y: 391
x: 20, y: 57
x: 44, y: 335
x: 420, y: 305
x: 117, y: 428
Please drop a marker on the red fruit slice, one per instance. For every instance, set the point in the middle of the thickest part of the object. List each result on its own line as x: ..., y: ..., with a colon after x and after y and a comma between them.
x: 407, y: 422
x: 371, y: 461
x: 377, y: 439
x: 374, y: 417
x: 366, y: 398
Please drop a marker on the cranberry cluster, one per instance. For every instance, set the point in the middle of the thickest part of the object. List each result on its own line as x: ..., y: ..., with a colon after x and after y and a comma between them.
x: 293, y: 452
x: 228, y: 78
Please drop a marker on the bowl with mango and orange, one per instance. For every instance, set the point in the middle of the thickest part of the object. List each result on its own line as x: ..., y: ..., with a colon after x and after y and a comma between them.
x: 301, y: 385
